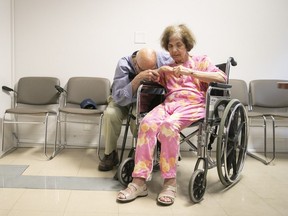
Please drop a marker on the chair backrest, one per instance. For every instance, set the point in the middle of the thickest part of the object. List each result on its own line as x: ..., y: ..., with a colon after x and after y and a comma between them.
x: 265, y: 93
x: 95, y: 88
x: 239, y: 91
x: 37, y: 90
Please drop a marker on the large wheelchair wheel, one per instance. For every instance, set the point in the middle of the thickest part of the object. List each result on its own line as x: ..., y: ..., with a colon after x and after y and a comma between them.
x: 197, y: 185
x: 232, y: 142
x: 125, y: 170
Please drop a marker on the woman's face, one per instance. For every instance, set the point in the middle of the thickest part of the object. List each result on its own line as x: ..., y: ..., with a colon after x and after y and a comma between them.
x: 177, y: 49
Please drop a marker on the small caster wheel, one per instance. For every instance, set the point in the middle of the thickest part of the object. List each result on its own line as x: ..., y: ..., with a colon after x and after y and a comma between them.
x: 197, y: 185
x: 125, y: 170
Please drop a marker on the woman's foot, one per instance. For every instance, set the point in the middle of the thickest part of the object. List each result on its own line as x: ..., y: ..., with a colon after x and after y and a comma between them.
x: 135, y: 189
x: 168, y: 194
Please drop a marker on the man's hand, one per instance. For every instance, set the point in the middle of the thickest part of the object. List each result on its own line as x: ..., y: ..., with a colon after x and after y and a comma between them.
x: 149, y: 75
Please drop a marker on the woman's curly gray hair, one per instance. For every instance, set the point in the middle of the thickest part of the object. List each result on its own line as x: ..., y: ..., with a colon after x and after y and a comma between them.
x: 186, y: 35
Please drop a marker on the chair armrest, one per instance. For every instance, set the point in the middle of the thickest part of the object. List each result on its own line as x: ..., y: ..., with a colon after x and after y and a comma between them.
x: 60, y: 89
x: 7, y: 89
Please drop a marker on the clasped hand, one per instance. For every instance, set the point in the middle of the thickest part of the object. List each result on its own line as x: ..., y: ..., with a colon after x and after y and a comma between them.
x: 149, y: 75
x: 153, y: 75
x: 181, y: 70
x: 177, y: 70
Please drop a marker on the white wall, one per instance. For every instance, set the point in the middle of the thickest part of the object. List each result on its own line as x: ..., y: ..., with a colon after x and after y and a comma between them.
x: 66, y: 38
x: 6, y: 55
x: 86, y: 37
x: 5, y: 51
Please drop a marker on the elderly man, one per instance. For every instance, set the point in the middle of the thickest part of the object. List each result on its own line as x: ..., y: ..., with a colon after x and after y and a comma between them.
x: 129, y: 73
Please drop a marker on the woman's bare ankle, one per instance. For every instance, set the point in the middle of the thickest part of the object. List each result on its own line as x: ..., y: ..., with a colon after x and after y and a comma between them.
x: 170, y: 181
x: 139, y: 181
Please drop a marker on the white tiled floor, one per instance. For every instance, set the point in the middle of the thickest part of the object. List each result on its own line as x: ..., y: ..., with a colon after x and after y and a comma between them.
x: 262, y: 190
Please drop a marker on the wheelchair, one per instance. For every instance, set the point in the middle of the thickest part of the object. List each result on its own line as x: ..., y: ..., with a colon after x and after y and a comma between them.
x: 225, y: 125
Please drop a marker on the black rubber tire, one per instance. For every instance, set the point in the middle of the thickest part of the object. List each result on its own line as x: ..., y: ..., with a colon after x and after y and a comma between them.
x: 232, y: 142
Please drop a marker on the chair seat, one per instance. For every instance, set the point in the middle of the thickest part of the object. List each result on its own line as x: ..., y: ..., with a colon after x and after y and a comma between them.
x: 274, y: 114
x: 254, y: 114
x: 196, y: 123
x: 72, y: 110
x: 30, y: 111
x: 280, y: 114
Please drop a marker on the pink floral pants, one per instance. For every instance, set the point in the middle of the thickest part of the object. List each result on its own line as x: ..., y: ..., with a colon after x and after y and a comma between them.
x: 164, y: 123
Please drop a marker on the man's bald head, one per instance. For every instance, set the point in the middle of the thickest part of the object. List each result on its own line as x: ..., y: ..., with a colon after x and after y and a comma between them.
x: 146, y: 58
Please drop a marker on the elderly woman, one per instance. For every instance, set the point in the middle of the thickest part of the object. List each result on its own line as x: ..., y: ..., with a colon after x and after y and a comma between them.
x: 186, y: 82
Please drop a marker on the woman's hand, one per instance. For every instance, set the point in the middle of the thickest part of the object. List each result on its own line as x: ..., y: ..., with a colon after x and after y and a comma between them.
x: 181, y: 70
x: 165, y: 68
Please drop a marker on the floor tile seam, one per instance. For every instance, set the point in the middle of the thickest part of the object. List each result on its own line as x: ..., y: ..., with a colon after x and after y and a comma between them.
x: 80, y: 164
x: 17, y: 200
x: 67, y: 203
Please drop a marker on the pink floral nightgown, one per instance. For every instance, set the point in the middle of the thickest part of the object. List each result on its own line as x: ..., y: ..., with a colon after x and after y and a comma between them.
x: 184, y: 104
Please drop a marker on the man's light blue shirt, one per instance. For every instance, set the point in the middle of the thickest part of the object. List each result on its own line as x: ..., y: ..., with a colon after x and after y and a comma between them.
x: 125, y: 72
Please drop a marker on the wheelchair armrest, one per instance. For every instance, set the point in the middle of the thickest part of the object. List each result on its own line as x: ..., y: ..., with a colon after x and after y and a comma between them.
x: 153, y: 84
x: 220, y: 85
x: 7, y: 89
x: 151, y: 88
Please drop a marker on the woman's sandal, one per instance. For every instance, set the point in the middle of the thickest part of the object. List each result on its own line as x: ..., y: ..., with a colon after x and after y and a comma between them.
x: 169, y: 192
x: 132, y: 192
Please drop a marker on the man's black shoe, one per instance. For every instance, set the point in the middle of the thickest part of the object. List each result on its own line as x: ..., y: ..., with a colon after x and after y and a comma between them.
x: 108, y: 162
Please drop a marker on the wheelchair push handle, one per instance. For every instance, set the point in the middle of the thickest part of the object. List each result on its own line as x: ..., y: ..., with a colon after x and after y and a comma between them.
x: 232, y: 61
